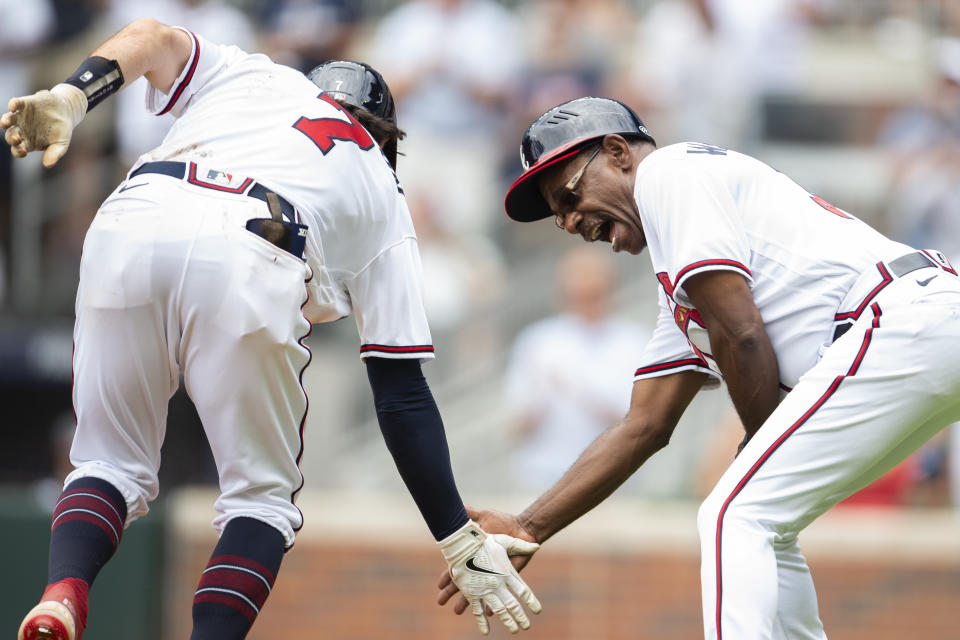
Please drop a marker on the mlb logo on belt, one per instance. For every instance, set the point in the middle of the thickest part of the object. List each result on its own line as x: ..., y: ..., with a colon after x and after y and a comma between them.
x: 217, y: 179
x: 219, y: 176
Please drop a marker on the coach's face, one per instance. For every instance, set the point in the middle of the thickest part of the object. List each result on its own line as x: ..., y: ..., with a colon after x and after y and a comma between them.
x: 592, y: 194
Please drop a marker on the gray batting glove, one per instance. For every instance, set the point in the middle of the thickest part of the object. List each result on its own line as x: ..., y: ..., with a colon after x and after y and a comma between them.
x: 44, y: 122
x: 480, y: 568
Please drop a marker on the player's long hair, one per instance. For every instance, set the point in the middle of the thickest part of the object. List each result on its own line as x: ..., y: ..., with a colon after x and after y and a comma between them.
x: 386, y: 133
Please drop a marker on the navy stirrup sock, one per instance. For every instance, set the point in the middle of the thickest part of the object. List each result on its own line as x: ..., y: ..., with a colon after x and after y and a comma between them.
x: 87, y: 526
x: 237, y: 580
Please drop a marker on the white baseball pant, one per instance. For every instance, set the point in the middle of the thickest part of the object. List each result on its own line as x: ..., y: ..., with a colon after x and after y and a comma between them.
x: 878, y: 393
x: 171, y: 282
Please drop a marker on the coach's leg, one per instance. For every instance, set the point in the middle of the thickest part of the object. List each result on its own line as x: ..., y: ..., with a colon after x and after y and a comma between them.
x: 798, y: 616
x: 878, y: 394
x: 242, y: 368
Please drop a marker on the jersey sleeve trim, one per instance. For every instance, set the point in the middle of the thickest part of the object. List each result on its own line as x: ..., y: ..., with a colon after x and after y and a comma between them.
x: 191, y: 69
x: 710, y: 265
x: 673, y: 366
x: 391, y: 351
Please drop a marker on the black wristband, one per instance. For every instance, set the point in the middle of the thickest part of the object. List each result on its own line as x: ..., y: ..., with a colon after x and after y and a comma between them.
x: 98, y: 78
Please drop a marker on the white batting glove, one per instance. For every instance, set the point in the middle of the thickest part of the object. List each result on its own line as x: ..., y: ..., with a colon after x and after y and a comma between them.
x: 44, y: 122
x: 480, y: 568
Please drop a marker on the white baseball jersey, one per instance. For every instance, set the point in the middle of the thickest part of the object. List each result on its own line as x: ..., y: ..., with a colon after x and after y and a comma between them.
x: 705, y: 208
x: 247, y: 116
x: 172, y: 283
x: 859, y: 402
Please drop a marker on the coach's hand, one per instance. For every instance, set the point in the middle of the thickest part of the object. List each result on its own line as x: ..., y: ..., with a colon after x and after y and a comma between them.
x: 516, y: 541
x: 481, y: 570
x: 44, y: 122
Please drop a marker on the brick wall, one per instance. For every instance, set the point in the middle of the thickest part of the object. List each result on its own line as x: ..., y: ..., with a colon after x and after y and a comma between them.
x: 358, y: 587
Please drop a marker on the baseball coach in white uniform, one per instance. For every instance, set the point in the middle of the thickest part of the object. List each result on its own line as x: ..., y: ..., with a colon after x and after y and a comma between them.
x: 269, y: 206
x: 840, y: 348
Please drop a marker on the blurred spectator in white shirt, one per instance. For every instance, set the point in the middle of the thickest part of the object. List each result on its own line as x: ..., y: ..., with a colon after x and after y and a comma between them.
x: 702, y: 66
x: 571, y: 375
x: 451, y: 65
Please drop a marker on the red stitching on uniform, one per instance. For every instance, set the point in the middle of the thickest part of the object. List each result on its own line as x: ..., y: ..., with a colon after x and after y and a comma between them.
x: 766, y: 456
x: 420, y: 348
x: 673, y: 364
x: 189, y: 76
x: 867, y: 337
x: 664, y: 279
x: 707, y: 263
x: 887, y: 279
x: 306, y: 409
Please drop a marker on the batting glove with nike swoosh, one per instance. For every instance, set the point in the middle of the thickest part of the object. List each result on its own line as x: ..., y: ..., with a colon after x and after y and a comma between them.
x: 480, y: 568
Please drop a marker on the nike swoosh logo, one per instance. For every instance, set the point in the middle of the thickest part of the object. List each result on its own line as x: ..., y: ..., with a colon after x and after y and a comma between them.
x: 924, y: 283
x: 132, y: 186
x: 473, y: 567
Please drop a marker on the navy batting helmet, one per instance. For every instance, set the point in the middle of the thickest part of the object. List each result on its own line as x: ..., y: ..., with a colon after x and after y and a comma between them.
x: 360, y: 85
x: 561, y: 133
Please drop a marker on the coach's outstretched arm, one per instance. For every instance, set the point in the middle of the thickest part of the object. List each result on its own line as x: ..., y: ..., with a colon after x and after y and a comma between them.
x: 655, y: 408
x: 413, y: 430
x: 45, y: 121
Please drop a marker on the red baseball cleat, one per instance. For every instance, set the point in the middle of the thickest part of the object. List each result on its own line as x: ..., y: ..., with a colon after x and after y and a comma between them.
x: 61, y: 614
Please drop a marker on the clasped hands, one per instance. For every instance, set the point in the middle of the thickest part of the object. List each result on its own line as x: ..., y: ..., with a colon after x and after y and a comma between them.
x: 483, y: 569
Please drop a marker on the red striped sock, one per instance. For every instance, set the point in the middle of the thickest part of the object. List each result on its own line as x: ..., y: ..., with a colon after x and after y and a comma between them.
x: 86, y: 528
x: 237, y: 580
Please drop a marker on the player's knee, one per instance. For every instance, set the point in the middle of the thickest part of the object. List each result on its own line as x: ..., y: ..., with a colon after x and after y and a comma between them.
x: 285, y: 517
x: 137, y: 490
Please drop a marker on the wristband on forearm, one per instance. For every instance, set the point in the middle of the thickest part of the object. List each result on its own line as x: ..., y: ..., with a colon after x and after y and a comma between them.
x: 98, y: 78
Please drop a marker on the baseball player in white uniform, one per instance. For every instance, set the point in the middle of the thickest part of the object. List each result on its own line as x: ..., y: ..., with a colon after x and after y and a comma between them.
x: 840, y: 348
x: 269, y: 206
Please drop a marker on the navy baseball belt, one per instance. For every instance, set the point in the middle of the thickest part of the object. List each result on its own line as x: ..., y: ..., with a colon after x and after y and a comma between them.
x: 896, y: 268
x: 188, y: 171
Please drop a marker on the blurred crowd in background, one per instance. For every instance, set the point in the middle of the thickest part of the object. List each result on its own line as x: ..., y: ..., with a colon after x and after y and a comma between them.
x: 858, y: 100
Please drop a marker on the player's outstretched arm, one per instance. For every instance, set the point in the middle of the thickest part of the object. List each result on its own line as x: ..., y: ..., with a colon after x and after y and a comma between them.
x: 413, y: 430
x: 655, y: 408
x: 45, y: 121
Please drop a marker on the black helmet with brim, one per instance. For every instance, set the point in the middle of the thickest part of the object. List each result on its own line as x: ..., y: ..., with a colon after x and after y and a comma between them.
x: 559, y: 134
x: 360, y: 85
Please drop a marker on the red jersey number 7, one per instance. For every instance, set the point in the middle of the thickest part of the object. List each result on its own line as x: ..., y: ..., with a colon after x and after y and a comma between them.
x: 324, y: 132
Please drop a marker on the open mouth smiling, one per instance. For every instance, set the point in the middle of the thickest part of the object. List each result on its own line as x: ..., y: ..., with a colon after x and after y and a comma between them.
x: 600, y: 231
